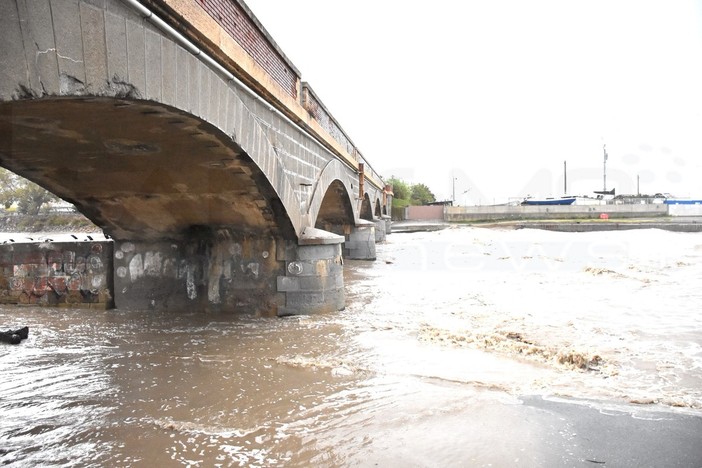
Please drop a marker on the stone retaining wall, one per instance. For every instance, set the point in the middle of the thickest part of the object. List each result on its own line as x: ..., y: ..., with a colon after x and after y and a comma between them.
x: 495, y: 213
x: 68, y: 274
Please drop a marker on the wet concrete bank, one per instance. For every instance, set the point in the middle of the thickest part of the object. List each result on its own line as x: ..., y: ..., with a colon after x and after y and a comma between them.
x: 418, y: 226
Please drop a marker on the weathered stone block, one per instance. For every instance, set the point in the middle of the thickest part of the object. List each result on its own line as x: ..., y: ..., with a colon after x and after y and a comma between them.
x: 136, y: 59
x: 116, y: 46
x: 314, y: 252
x: 194, y: 85
x: 288, y: 283
x: 69, y: 44
x: 153, y: 65
x: 181, y: 77
x: 93, y: 30
x: 168, y: 71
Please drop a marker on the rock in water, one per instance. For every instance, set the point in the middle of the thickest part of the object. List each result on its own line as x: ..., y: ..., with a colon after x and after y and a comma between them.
x: 23, y: 332
x: 14, y: 337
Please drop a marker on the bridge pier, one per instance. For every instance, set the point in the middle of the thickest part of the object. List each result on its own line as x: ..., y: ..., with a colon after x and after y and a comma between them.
x: 380, y: 231
x: 388, y: 224
x: 208, y: 270
x: 223, y: 271
x: 360, y: 241
x: 313, y: 277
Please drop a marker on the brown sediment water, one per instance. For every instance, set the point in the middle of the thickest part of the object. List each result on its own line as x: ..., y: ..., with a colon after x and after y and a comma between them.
x: 429, y: 365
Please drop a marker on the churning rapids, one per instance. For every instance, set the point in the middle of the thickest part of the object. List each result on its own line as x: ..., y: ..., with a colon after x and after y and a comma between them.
x: 443, y: 340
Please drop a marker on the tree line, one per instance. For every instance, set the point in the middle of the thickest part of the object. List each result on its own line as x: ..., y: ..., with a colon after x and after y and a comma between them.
x: 406, y: 194
x: 27, y: 196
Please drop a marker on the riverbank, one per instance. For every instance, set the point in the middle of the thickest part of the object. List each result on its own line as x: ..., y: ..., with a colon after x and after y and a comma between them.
x: 692, y: 224
x: 675, y: 224
x: 418, y: 226
x: 46, y: 223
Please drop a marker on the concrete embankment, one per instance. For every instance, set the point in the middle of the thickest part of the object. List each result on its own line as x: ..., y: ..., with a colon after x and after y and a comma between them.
x: 418, y: 226
x: 458, y: 214
x: 576, y: 218
x: 601, y: 225
x: 563, y: 225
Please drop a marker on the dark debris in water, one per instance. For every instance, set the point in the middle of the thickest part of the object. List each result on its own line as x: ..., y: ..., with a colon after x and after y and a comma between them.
x: 14, y: 336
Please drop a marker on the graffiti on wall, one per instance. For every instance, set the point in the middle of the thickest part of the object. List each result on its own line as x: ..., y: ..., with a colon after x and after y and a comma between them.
x: 56, y: 273
x: 233, y: 272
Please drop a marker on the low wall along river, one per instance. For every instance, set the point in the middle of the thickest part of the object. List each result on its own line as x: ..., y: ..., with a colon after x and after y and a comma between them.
x: 508, y: 212
x: 70, y: 274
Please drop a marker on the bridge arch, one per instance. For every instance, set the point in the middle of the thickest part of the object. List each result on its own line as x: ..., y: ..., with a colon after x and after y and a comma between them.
x: 145, y: 139
x: 366, y: 210
x: 336, y: 210
x: 333, y: 174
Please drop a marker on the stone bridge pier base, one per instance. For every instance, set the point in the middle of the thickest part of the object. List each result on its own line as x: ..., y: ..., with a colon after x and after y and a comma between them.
x: 225, y: 272
x: 360, y: 241
x: 313, y: 278
x: 388, y: 224
x: 379, y: 231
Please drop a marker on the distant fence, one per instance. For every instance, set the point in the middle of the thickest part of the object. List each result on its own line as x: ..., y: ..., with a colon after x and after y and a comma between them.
x: 424, y: 213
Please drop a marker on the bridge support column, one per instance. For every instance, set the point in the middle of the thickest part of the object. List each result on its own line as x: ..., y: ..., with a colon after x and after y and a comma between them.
x: 360, y: 242
x: 379, y: 231
x: 313, y: 281
x: 388, y: 224
x: 209, y: 271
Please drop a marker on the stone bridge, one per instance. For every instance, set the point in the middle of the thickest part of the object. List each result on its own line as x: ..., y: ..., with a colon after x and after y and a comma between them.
x: 182, y: 130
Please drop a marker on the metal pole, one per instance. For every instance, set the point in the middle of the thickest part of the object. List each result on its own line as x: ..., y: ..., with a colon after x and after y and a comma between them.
x: 453, y: 196
x: 604, y: 188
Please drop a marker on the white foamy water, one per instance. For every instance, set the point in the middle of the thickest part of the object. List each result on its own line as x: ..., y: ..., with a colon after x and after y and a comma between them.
x: 612, y: 315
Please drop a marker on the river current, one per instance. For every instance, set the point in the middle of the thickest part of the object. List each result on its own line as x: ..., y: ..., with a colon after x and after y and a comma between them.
x: 442, y: 339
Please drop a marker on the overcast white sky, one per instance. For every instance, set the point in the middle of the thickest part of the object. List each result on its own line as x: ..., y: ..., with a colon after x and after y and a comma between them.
x: 498, y: 94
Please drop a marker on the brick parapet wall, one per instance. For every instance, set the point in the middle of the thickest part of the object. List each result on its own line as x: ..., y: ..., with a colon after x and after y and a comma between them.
x: 242, y: 26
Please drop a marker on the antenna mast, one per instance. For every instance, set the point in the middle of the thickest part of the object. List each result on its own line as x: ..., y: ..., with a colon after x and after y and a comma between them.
x: 604, y: 188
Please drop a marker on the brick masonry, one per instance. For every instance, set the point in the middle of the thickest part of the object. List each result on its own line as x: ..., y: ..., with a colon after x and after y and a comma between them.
x: 233, y: 19
x: 71, y: 274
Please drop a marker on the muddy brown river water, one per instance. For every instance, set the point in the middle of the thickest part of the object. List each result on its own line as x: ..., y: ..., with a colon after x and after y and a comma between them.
x: 457, y: 348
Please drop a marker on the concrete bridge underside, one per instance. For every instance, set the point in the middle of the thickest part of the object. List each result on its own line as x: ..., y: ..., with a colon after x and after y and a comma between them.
x: 213, y: 199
